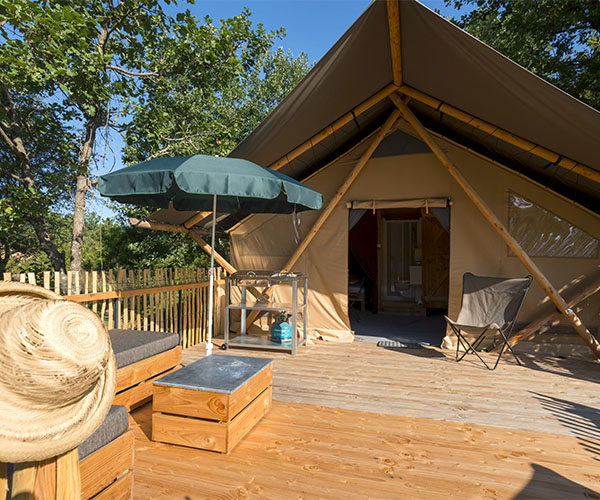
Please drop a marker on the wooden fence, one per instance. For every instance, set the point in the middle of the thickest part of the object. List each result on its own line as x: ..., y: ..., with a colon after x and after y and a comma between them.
x: 163, y: 300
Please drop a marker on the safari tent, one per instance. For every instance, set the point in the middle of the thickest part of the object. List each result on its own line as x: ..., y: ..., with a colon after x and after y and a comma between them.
x: 436, y: 156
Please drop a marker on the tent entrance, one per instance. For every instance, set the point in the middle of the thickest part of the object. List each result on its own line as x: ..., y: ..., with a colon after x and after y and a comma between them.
x: 400, y: 265
x: 399, y: 260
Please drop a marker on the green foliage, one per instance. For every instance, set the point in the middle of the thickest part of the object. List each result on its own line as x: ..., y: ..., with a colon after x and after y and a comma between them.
x: 173, y: 86
x: 24, y: 252
x: 558, y: 40
x: 227, y: 80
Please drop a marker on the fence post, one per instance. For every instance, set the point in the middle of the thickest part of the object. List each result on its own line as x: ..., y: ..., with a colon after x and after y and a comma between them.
x: 115, y: 313
x: 180, y: 316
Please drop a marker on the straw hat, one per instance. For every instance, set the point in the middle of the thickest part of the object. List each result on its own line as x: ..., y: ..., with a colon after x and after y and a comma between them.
x: 57, y: 373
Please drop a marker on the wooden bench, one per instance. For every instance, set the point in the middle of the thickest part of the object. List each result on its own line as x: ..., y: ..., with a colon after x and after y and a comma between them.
x: 107, y: 473
x: 134, y: 379
x: 213, y: 403
x: 106, y: 461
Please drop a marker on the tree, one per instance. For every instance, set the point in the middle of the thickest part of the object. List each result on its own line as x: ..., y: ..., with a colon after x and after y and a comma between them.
x: 89, y: 61
x: 229, y: 80
x: 559, y: 40
x: 85, y: 57
x: 207, y: 109
x: 37, y: 160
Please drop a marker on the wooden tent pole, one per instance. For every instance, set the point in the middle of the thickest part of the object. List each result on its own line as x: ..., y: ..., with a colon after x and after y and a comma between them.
x: 326, y: 212
x: 163, y: 226
x: 207, y: 248
x: 393, y: 13
x: 559, y: 302
x: 336, y: 125
x: 157, y: 226
x: 493, y: 130
x: 193, y: 233
x: 191, y: 222
x: 551, y: 316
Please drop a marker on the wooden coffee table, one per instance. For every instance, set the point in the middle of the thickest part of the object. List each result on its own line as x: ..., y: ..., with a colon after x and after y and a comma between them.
x: 212, y: 403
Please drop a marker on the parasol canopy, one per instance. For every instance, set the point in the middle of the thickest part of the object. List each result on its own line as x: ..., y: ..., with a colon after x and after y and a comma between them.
x: 190, y: 182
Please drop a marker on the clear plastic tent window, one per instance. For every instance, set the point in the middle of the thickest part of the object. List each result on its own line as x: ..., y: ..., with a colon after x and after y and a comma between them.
x: 544, y: 234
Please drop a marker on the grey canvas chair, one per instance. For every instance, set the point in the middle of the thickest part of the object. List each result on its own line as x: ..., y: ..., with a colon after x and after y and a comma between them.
x: 489, y: 305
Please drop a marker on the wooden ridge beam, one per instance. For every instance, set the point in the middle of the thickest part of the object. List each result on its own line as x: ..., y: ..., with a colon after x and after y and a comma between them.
x: 504, y: 135
x: 537, y: 274
x: 326, y: 212
x: 393, y: 13
x: 552, y: 315
x: 336, y: 125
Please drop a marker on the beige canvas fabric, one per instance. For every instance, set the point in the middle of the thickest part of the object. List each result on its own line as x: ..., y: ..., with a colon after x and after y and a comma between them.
x: 439, y: 59
x: 489, y: 302
x: 265, y: 242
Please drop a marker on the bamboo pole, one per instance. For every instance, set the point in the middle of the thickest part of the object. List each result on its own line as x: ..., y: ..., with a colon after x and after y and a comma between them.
x: 488, y: 128
x: 393, y: 14
x: 161, y: 226
x: 560, y: 303
x: 326, y: 212
x: 191, y: 222
x: 552, y: 316
x: 336, y: 125
x: 206, y: 247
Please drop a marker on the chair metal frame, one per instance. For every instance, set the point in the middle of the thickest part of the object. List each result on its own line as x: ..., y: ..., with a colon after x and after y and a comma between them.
x: 505, y: 334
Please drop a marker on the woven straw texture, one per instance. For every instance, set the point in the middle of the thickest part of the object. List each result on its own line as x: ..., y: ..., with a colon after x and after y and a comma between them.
x: 57, y: 373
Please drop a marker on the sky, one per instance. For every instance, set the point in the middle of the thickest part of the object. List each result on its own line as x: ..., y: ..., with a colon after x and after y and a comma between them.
x: 312, y: 26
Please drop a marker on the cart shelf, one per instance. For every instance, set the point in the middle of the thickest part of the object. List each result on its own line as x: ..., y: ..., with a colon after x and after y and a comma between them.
x: 296, y: 309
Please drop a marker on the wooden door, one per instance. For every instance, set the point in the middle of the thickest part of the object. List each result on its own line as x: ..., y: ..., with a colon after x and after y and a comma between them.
x: 436, y: 262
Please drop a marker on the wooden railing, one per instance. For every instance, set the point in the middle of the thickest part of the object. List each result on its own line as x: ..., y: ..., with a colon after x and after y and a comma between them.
x: 164, y: 300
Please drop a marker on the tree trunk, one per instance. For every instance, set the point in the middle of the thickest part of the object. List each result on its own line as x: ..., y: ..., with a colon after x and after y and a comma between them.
x: 57, y: 258
x: 78, y: 221
x: 81, y: 189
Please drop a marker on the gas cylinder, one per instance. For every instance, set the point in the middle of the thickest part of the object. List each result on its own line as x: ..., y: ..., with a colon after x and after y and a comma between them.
x: 281, y: 330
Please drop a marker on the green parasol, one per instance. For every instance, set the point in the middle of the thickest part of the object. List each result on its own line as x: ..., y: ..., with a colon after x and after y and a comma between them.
x: 232, y: 185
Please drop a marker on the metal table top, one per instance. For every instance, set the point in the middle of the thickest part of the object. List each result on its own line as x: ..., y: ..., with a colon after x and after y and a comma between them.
x: 216, y: 373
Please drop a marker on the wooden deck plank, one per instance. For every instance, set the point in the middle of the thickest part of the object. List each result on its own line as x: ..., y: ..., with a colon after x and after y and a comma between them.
x: 355, y: 421
x: 310, y: 452
x: 553, y: 395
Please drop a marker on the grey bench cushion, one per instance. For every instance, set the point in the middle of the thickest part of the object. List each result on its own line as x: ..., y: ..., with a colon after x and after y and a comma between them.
x: 131, y: 346
x: 115, y: 424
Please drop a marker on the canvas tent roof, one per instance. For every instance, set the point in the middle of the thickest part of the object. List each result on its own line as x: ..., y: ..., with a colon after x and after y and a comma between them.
x: 445, y: 63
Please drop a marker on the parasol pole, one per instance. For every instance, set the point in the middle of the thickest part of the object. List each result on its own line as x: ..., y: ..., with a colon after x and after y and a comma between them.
x: 211, y: 279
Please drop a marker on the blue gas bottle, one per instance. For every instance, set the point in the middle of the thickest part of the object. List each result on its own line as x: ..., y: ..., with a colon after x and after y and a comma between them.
x: 281, y: 330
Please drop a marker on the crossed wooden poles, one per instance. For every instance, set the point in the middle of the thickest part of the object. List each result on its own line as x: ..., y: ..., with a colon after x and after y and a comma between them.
x: 400, y: 95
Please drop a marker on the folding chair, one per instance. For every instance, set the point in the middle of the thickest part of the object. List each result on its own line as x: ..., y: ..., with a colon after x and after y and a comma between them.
x: 488, y: 304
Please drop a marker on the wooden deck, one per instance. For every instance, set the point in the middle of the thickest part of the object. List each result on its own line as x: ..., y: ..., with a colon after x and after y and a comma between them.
x: 356, y: 421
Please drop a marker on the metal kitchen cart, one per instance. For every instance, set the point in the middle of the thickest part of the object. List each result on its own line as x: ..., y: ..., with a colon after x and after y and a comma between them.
x: 264, y: 280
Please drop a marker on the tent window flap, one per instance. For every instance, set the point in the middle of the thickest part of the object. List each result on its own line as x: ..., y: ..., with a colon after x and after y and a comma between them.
x: 544, y: 234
